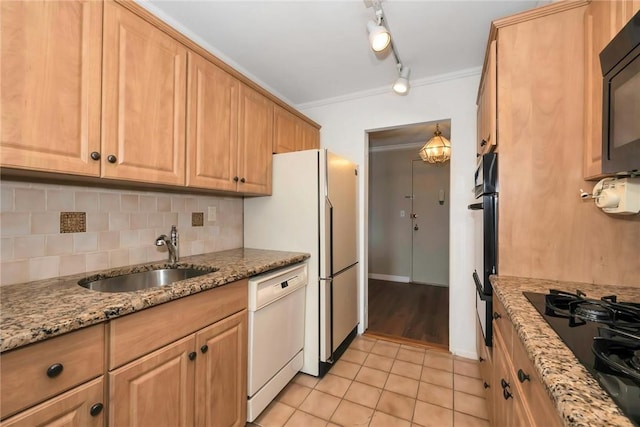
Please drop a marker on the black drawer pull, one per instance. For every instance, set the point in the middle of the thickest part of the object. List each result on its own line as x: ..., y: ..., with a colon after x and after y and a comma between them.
x: 242, y: 180
x: 485, y: 385
x: 235, y: 178
x: 95, y: 155
x: 192, y: 355
x: 96, y: 409
x: 506, y: 394
x: 522, y: 376
x: 55, y: 370
x: 204, y: 348
x: 496, y: 315
x: 504, y: 383
x: 483, y: 143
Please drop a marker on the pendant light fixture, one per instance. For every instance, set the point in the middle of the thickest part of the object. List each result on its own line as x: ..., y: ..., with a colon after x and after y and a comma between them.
x: 437, y: 149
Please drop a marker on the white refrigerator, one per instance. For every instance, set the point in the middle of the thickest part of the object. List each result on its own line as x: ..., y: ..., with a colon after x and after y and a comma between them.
x: 313, y: 208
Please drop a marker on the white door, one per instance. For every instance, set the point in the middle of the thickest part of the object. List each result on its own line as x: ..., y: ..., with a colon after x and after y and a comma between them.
x: 430, y: 223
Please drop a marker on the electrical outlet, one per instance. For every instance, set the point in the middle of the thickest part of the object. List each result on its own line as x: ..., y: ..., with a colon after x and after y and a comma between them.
x: 402, y: 214
x: 211, y: 213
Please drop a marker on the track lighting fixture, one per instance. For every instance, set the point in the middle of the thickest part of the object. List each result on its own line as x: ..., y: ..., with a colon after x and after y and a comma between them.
x: 380, y: 38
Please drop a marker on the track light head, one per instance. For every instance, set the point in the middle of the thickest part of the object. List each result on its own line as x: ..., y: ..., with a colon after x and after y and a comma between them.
x: 401, y: 85
x: 379, y: 37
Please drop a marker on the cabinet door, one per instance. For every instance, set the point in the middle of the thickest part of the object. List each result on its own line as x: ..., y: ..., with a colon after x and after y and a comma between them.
x: 155, y: 390
x: 502, y: 410
x: 71, y: 409
x: 285, y: 131
x: 255, y: 140
x: 212, y: 128
x: 221, y: 373
x: 144, y: 85
x: 50, y: 86
x: 310, y: 138
x: 487, y: 138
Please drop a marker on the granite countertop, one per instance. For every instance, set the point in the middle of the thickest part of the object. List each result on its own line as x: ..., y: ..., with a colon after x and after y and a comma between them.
x: 576, y: 394
x: 34, y: 311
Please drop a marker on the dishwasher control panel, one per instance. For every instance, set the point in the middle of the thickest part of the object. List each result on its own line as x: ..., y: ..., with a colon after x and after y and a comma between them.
x: 274, y: 285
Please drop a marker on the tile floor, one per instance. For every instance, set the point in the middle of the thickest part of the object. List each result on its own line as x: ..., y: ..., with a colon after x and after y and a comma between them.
x: 379, y: 383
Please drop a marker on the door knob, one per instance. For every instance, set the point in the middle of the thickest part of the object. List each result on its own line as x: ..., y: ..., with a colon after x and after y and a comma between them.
x: 415, y: 227
x: 414, y: 215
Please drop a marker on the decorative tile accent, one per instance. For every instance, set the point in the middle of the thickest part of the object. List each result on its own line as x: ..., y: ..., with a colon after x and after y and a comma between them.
x: 73, y: 222
x: 197, y: 219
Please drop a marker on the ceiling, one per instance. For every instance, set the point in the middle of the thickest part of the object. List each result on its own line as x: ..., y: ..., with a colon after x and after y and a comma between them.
x: 311, y: 51
x: 408, y: 136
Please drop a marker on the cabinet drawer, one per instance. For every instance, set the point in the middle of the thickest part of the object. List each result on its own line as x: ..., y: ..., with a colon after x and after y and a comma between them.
x: 24, y: 371
x: 485, y: 358
x: 502, y: 321
x: 141, y: 333
x: 533, y: 390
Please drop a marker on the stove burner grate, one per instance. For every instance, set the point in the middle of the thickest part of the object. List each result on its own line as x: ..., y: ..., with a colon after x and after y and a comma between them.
x: 578, y: 308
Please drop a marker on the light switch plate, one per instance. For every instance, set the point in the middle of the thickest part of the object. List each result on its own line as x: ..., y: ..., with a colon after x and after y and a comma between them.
x: 211, y: 213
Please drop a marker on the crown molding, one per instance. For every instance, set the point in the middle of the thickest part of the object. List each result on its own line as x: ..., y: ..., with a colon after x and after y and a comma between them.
x: 397, y: 147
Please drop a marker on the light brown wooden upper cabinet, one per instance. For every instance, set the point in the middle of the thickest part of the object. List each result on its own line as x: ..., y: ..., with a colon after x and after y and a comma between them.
x: 603, y: 20
x: 291, y: 133
x: 212, y: 129
x: 144, y: 100
x: 255, y: 142
x: 487, y: 95
x: 50, y: 86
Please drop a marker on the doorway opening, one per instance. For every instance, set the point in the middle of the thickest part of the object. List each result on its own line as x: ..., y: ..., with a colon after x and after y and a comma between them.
x: 408, y: 237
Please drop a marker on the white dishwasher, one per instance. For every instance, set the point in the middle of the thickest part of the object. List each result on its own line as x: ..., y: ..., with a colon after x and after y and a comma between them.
x: 276, y: 334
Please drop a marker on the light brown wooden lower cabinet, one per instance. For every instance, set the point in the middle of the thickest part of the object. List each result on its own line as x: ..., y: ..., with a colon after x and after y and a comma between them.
x: 198, y: 380
x: 80, y: 407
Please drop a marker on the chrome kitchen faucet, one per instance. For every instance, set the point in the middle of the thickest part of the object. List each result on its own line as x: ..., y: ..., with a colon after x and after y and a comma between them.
x: 170, y: 243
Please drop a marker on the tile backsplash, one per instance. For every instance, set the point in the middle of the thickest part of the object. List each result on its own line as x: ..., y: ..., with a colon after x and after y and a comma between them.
x: 121, y: 228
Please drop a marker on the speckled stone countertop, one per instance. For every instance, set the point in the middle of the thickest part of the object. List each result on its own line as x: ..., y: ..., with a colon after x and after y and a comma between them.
x: 31, y: 312
x: 578, y: 397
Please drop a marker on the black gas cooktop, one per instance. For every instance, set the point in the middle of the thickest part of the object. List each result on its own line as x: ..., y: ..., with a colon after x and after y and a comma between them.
x: 604, y: 334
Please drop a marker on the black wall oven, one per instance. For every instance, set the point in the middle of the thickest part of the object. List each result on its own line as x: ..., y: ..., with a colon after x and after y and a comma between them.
x: 620, y: 62
x: 485, y: 216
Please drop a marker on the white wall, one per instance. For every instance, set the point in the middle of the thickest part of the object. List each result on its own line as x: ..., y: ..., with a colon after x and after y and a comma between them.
x: 344, y: 125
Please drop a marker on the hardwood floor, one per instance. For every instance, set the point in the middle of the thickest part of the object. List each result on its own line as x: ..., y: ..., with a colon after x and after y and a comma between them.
x: 410, y: 311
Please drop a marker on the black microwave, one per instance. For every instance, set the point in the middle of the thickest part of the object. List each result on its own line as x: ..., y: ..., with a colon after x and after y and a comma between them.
x: 620, y: 62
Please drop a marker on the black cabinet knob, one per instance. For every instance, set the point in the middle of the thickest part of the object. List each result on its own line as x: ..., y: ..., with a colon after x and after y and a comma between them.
x: 242, y: 180
x: 522, y: 376
x: 483, y: 143
x: 95, y: 155
x: 111, y: 158
x: 55, y: 370
x: 204, y: 348
x: 485, y: 385
x: 96, y: 409
x: 192, y: 355
x: 496, y: 315
x: 506, y: 394
x: 235, y: 179
x: 481, y: 359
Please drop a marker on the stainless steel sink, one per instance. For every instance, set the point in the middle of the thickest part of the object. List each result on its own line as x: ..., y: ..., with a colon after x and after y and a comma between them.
x: 142, y: 280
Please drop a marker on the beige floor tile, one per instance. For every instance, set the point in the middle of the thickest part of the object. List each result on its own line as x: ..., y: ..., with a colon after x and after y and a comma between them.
x: 381, y: 363
x: 373, y: 377
x: 410, y: 355
x: 345, y: 369
x: 363, y: 394
x: 354, y: 356
x: 436, y: 361
x: 293, y: 394
x: 380, y: 419
x: 464, y: 420
x: 334, y: 385
x: 468, y: 385
x: 352, y: 414
x: 436, y: 395
x: 305, y: 380
x: 300, y: 418
x: 406, y: 369
x: 275, y: 415
x: 320, y: 404
x: 396, y: 405
x: 429, y: 415
x: 437, y: 376
x: 385, y: 348
x: 470, y: 404
x: 402, y: 385
x: 362, y: 343
x: 467, y: 367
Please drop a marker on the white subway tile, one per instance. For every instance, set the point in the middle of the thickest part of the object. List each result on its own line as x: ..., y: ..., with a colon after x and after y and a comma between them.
x: 164, y: 204
x: 138, y: 255
x: 59, y: 244
x: 147, y: 236
x: 28, y: 246
x: 119, y: 258
x: 45, y: 223
x: 97, y: 221
x: 6, y: 249
x: 138, y: 221
x: 109, y: 202
x: 197, y: 247
x: 44, y: 267
x: 184, y: 220
x: 29, y: 200
x: 191, y: 204
x: 6, y: 197
x: 108, y: 240
x: 97, y: 261
x: 14, y: 272
x: 155, y: 254
x: 72, y: 264
x: 170, y: 218
x: 155, y: 219
x: 129, y: 239
x: 87, y: 201
x: 14, y: 224
x: 148, y: 203
x: 60, y: 200
x: 119, y: 221
x: 129, y: 203
x: 85, y: 242
x: 177, y: 204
